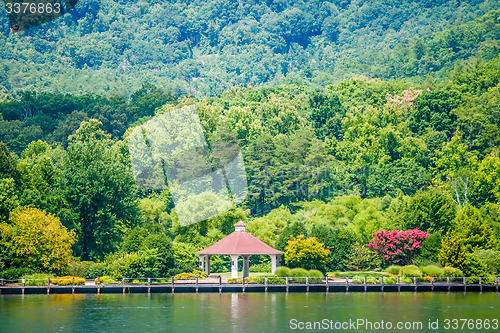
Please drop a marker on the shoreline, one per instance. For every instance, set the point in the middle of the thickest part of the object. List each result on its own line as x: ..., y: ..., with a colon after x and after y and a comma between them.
x: 240, y: 288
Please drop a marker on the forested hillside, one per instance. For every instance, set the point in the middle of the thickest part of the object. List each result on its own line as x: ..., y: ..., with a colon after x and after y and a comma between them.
x: 203, y: 48
x: 411, y: 143
x: 337, y: 164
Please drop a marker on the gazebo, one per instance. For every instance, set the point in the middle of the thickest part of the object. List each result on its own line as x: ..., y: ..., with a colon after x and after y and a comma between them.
x: 238, y: 243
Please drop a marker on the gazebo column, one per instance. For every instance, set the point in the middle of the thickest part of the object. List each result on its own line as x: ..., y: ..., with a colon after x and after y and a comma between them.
x: 246, y: 270
x: 234, y: 266
x: 207, y: 264
x: 274, y: 259
x: 202, y: 263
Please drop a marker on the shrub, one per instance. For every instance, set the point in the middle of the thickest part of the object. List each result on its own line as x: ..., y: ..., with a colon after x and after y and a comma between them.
x: 411, y: 271
x: 134, y: 265
x: 190, y: 276
x: 233, y: 280
x: 86, y: 269
x: 350, y: 274
x: 38, y: 279
x: 488, y: 280
x: 315, y: 276
x: 361, y: 257
x: 104, y: 280
x: 390, y: 280
x: 67, y: 281
x: 452, y: 272
x: 283, y: 271
x: 474, y: 266
x: 394, y: 270
x: 361, y: 280
x: 185, y: 276
x: 299, y: 274
x: 261, y: 268
x: 433, y: 271
x: 271, y: 279
x: 306, y: 252
x: 200, y: 274
x: 14, y: 273
x: 491, y: 259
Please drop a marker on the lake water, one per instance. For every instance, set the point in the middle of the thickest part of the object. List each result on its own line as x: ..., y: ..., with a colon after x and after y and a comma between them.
x: 251, y: 312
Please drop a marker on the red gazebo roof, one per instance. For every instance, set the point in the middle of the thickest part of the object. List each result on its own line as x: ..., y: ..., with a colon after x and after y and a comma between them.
x: 239, y: 242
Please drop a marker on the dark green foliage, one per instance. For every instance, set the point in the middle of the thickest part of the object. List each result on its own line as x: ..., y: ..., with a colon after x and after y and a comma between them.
x: 326, y: 114
x: 14, y: 273
x: 433, y: 110
x: 432, y: 210
x: 474, y: 266
x: 100, y: 187
x: 340, y: 243
x: 491, y: 259
x: 295, y: 229
x: 429, y: 245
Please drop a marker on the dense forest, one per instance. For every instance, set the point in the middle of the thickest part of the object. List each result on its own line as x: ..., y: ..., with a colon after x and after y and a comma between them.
x: 337, y: 163
x: 202, y: 48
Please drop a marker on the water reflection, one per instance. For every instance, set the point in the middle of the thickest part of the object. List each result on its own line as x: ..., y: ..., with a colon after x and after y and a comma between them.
x: 235, y: 312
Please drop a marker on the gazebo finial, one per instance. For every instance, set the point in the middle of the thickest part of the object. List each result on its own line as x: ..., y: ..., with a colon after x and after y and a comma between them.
x: 240, y: 226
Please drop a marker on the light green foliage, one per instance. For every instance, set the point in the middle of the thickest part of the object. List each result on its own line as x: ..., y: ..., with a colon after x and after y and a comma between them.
x: 474, y: 266
x: 315, y: 276
x: 220, y: 264
x: 299, y: 274
x: 283, y: 271
x: 432, y: 270
x: 473, y: 231
x: 432, y: 210
x: 153, y: 210
x: 38, y: 279
x: 393, y: 270
x: 35, y: 239
x: 452, y: 272
x: 184, y: 254
x: 104, y: 280
x: 487, y: 180
x: 269, y: 227
x: 140, y: 264
x: 411, y: 271
x: 86, y: 269
x: 452, y: 252
x: 305, y: 252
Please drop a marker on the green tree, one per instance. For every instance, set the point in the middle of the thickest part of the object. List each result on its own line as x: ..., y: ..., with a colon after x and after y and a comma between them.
x: 306, y: 253
x: 100, y: 189
x: 474, y: 232
x: 432, y: 210
x: 292, y: 230
x: 452, y: 252
x: 8, y: 198
x: 35, y: 239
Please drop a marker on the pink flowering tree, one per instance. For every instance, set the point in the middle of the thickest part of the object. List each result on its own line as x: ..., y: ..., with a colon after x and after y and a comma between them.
x: 397, y: 246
